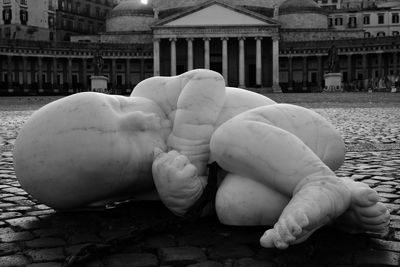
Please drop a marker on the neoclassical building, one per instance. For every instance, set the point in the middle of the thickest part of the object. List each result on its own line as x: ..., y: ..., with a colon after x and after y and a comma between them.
x: 262, y: 45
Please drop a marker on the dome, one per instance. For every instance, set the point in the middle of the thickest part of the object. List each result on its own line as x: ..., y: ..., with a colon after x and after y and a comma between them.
x: 132, y: 6
x: 299, y: 6
x: 130, y: 15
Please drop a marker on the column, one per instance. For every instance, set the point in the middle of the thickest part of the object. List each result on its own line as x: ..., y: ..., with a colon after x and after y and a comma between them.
x: 305, y: 73
x: 113, y: 77
x: 142, y: 69
x: 380, y: 69
x: 241, y: 62
x: 275, y: 65
x: 128, y: 73
x: 25, y: 72
x: 9, y: 72
x: 258, y: 61
x: 40, y: 74
x: 69, y: 77
x: 290, y: 72
x: 225, y: 59
x: 55, y: 72
x: 84, y: 75
x: 320, y: 72
x: 395, y: 62
x: 156, y: 57
x: 190, y: 53
x: 206, y: 53
x: 349, y: 68
x: 173, y: 56
x: 365, y: 71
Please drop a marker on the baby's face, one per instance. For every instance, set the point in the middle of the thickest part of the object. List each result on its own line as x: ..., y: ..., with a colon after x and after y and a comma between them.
x: 89, y: 140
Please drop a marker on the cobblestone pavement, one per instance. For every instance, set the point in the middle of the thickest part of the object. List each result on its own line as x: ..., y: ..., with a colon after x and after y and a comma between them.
x: 32, y: 234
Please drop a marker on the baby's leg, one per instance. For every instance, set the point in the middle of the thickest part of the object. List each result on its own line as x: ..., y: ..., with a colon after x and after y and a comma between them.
x: 282, y: 162
x: 248, y: 206
x: 251, y: 147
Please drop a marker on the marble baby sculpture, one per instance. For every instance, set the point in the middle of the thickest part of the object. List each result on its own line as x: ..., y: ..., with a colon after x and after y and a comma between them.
x: 277, y: 159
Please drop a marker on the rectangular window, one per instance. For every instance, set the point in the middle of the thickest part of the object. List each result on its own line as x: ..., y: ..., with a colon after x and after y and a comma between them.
x: 23, y: 2
x: 381, y: 18
x: 7, y: 16
x: 5, y: 2
x: 338, y: 21
x: 330, y: 22
x: 366, y: 20
x: 352, y: 22
x: 23, y: 16
x: 395, y: 18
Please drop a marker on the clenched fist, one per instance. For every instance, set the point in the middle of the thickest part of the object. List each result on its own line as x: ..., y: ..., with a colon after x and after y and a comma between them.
x: 176, y: 180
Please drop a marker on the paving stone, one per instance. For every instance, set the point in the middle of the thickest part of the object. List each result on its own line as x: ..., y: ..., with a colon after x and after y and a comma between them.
x: 43, y: 255
x: 13, y: 260
x: 8, y: 215
x: 9, y: 248
x: 78, y: 238
x: 229, y: 251
x: 206, y: 264
x: 385, y: 245
x: 181, y: 255
x: 13, y: 237
x: 390, y: 196
x: 26, y: 223
x: 45, y: 264
x: 49, y: 232
x: 253, y: 263
x: 159, y: 241
x: 48, y: 242
x: 131, y: 260
x: 375, y: 257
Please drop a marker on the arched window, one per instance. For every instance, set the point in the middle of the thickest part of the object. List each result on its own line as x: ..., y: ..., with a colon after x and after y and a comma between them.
x: 380, y: 34
x: 367, y: 34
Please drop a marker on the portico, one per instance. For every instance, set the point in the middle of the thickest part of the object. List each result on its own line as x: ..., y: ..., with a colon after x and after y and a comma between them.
x: 239, y: 44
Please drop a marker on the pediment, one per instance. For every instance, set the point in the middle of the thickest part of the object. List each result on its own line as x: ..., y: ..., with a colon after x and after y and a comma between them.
x: 215, y: 13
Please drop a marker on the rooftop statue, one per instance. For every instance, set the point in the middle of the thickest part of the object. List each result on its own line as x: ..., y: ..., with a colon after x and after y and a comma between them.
x: 276, y: 161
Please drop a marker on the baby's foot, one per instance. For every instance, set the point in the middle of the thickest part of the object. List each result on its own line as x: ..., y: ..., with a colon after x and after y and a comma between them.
x: 292, y: 229
x: 366, y: 213
x: 317, y: 203
x: 176, y: 180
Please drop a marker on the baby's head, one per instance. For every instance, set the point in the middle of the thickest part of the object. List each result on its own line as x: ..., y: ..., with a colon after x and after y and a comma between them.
x: 88, y: 147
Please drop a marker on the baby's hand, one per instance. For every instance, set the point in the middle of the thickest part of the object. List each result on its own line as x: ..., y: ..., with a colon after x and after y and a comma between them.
x: 176, y: 180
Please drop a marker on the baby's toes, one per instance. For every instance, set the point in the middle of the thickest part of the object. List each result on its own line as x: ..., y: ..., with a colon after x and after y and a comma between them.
x: 372, y: 211
x: 364, y: 196
x: 267, y: 240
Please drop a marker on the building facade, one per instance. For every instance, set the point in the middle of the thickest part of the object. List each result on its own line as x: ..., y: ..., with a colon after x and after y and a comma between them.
x: 27, y: 19
x: 265, y: 46
x: 81, y: 17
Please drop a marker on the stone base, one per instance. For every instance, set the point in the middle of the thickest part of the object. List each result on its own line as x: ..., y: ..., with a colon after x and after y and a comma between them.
x: 99, y: 84
x: 333, y: 82
x: 276, y: 88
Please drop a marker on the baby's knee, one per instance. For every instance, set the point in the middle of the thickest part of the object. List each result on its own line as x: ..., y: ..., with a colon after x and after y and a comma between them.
x: 244, y: 201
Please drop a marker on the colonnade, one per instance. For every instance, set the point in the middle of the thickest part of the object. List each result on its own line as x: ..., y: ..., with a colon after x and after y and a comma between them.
x: 355, y: 67
x: 225, y: 61
x: 65, y: 74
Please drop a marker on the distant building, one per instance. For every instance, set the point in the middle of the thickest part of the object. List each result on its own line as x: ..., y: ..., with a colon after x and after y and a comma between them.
x: 265, y: 46
x: 377, y: 21
x: 52, y: 20
x: 81, y: 17
x: 330, y: 4
x: 27, y: 19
